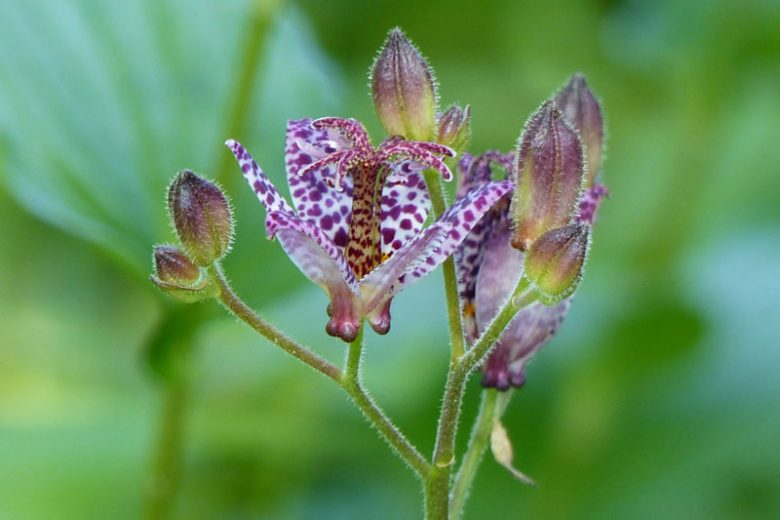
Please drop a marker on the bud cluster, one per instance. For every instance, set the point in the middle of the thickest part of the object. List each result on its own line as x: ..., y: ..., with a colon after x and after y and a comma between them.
x: 203, y: 221
x: 557, y: 159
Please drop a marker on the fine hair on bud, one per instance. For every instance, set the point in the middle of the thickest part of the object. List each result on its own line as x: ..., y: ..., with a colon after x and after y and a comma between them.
x: 202, y: 217
x: 404, y: 89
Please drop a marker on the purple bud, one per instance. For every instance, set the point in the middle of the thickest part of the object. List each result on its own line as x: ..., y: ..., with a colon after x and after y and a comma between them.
x: 175, y: 274
x: 455, y: 128
x: 171, y: 265
x: 202, y: 218
x: 404, y: 90
x: 581, y: 108
x: 555, y: 261
x: 548, y: 173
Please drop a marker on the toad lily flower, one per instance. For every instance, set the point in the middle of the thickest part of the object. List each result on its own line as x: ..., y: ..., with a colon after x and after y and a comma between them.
x: 550, y: 152
x: 357, y: 228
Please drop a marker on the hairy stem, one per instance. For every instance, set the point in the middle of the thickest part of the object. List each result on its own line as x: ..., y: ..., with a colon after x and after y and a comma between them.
x: 242, y: 311
x: 349, y: 380
x: 439, y: 205
x: 478, y: 443
x: 437, y: 488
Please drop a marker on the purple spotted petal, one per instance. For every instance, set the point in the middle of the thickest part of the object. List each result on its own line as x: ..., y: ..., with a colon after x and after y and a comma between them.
x: 384, y: 282
x: 405, y: 206
x: 456, y: 223
x: 322, y: 262
x: 316, y: 202
x: 500, y: 269
x: 257, y: 180
x: 476, y: 171
x: 312, y: 251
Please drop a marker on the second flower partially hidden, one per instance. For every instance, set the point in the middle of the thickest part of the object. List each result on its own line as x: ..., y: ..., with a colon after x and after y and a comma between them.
x: 357, y: 230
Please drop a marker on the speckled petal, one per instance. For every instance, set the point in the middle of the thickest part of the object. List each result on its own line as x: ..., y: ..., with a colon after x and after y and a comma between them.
x: 472, y: 172
x: 310, y: 249
x: 501, y: 268
x: 456, y: 223
x: 266, y: 192
x: 384, y: 282
x: 316, y: 202
x: 321, y: 261
x: 405, y: 206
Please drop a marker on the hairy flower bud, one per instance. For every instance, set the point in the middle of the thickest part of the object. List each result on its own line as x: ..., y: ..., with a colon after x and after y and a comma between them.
x: 555, y: 261
x: 202, y: 218
x: 548, y: 173
x: 404, y: 90
x: 580, y: 106
x: 171, y: 265
x: 455, y: 128
x: 175, y: 274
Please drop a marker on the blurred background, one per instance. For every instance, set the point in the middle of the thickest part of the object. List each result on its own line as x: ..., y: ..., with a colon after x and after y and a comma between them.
x: 660, y: 396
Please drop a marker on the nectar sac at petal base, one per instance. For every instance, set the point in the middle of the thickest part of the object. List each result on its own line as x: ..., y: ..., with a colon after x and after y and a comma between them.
x: 356, y: 224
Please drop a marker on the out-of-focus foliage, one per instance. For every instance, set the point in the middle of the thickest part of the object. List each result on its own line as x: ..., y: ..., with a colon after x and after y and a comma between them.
x: 659, y: 397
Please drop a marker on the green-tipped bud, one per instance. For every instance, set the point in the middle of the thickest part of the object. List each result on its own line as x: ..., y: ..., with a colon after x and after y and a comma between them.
x: 548, y: 173
x: 455, y: 128
x: 175, y: 274
x: 555, y: 261
x: 404, y: 90
x: 580, y: 106
x: 202, y: 218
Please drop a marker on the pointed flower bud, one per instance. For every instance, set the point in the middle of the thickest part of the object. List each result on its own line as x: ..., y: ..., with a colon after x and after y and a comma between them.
x: 404, y: 90
x: 548, y: 175
x: 555, y: 261
x: 202, y: 217
x: 176, y: 275
x: 455, y: 128
x: 581, y: 108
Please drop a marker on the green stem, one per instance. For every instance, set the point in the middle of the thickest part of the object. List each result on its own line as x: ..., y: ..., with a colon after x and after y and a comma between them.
x: 439, y: 205
x: 521, y: 297
x: 349, y: 380
x: 243, y: 312
x: 351, y: 384
x: 478, y: 443
x: 437, y: 488
x: 354, y: 355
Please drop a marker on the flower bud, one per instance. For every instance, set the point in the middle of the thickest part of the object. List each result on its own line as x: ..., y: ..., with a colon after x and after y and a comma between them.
x: 175, y: 274
x: 455, y: 128
x: 173, y: 266
x: 202, y: 218
x: 581, y: 108
x: 404, y: 90
x: 548, y: 173
x: 555, y: 260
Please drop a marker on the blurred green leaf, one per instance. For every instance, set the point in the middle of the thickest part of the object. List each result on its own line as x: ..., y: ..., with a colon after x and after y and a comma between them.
x: 102, y: 102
